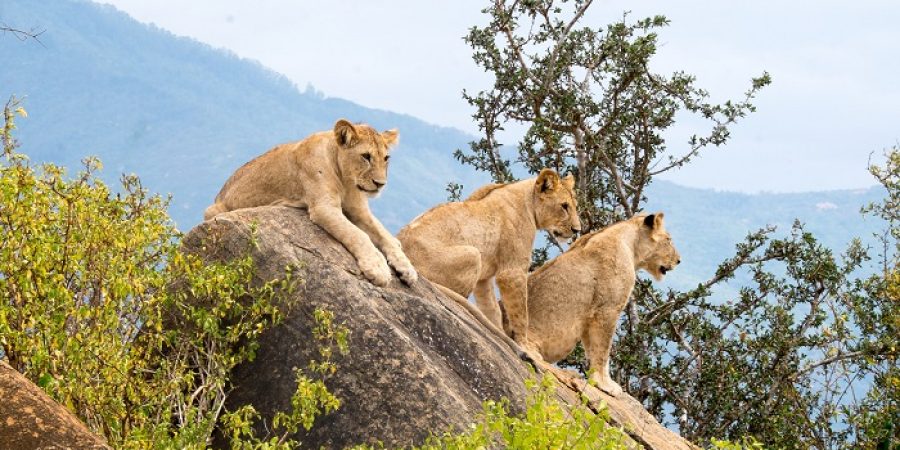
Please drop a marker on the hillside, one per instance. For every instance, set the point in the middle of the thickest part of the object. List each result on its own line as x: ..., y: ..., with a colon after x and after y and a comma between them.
x: 181, y: 114
x: 184, y: 115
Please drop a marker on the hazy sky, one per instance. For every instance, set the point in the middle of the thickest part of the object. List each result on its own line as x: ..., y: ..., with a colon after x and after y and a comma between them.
x: 835, y: 98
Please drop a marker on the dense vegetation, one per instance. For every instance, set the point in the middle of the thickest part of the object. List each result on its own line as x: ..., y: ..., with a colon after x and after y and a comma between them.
x: 105, y: 312
x: 787, y: 358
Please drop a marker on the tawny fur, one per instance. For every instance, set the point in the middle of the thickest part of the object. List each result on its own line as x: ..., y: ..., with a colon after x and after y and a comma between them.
x: 579, y: 295
x: 332, y: 174
x: 485, y: 322
x: 465, y: 246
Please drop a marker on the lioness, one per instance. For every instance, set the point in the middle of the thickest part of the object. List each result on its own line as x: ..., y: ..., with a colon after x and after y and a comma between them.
x: 580, y: 294
x: 463, y: 246
x: 332, y: 173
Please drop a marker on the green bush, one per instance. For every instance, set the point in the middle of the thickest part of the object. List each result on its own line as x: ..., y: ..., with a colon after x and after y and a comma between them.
x: 104, y: 311
x: 545, y: 425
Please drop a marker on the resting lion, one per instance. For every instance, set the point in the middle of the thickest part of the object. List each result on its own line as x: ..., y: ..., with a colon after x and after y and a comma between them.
x: 580, y: 294
x: 332, y: 173
x: 463, y: 246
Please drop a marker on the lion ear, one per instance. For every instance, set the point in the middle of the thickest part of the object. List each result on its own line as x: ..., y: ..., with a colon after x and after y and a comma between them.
x: 569, y: 181
x: 345, y: 133
x: 547, y: 180
x: 654, y: 221
x: 390, y: 137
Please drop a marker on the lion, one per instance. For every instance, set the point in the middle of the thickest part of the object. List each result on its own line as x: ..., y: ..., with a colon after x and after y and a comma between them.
x: 464, y: 246
x: 580, y: 294
x: 332, y: 174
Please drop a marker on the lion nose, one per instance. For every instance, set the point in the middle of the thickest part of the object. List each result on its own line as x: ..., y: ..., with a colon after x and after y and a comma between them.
x: 379, y: 183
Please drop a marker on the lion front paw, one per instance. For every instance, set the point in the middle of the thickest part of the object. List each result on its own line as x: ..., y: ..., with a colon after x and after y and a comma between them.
x: 404, y: 268
x: 532, y: 350
x: 531, y: 355
x: 606, y: 384
x: 376, y: 269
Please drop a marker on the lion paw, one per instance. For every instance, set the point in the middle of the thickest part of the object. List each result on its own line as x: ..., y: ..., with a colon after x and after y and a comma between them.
x: 531, y: 355
x: 376, y: 270
x: 606, y: 384
x: 532, y: 350
x: 404, y: 268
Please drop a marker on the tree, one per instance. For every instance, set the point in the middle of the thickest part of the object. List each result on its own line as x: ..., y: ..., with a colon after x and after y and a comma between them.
x: 878, y: 311
x: 590, y: 101
x: 776, y: 362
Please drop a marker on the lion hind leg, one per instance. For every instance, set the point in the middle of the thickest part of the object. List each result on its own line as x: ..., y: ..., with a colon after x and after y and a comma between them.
x: 513, y: 285
x: 529, y: 357
x: 487, y: 302
x: 456, y: 268
x: 214, y: 210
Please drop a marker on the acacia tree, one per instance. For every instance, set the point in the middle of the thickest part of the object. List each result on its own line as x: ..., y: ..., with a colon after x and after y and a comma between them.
x: 778, y: 361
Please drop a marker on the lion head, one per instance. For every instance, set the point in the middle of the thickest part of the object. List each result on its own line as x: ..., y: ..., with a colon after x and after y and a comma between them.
x: 555, y: 207
x: 363, y: 156
x: 656, y: 252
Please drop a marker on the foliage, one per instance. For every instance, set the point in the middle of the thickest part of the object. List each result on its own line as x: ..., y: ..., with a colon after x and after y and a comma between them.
x: 105, y: 311
x: 783, y: 358
x: 877, y: 417
x: 310, y: 400
x: 775, y: 362
x: 590, y: 101
x: 743, y: 444
x: 545, y: 424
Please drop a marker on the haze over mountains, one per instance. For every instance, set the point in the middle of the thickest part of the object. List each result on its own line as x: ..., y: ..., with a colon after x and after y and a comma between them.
x: 184, y: 116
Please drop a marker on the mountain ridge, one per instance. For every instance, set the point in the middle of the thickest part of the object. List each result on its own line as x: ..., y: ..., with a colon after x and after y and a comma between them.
x: 184, y: 115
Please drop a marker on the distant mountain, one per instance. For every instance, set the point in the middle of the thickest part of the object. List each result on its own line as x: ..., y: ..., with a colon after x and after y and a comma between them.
x: 706, y: 224
x: 184, y: 116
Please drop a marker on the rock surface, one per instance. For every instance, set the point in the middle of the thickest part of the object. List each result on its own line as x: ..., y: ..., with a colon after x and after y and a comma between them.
x: 29, y: 419
x: 418, y: 362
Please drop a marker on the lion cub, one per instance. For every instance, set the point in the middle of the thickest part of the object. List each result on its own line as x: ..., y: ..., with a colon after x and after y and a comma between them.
x: 464, y: 245
x: 332, y: 173
x: 580, y: 294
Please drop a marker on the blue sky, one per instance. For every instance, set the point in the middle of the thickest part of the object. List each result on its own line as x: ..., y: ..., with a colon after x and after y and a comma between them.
x: 834, y: 101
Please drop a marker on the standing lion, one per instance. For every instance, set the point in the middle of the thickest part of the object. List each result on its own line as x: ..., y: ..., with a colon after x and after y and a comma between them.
x: 464, y: 246
x: 332, y: 174
x: 579, y: 295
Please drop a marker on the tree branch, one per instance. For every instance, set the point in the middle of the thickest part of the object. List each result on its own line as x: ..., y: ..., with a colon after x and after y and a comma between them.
x: 21, y: 34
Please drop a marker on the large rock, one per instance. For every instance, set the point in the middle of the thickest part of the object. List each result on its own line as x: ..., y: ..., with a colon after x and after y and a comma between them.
x: 29, y: 419
x: 418, y: 362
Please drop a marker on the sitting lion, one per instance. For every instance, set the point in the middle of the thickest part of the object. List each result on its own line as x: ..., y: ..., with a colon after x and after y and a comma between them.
x: 332, y: 173
x: 580, y: 294
x: 463, y: 246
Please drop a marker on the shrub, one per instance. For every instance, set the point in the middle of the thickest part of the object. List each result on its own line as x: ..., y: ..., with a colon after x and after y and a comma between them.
x: 104, y: 310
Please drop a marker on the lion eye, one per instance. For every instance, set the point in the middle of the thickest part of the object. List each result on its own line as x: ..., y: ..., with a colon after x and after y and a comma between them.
x: 565, y: 206
x: 367, y: 156
x: 387, y: 157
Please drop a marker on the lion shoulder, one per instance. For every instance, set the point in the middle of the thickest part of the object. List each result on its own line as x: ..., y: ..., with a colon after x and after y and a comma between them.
x: 483, y: 192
